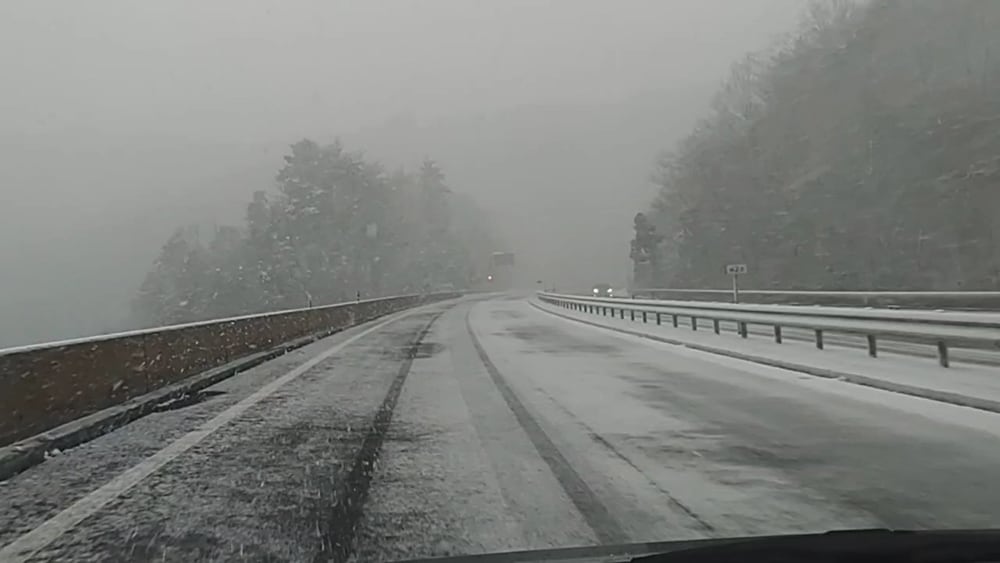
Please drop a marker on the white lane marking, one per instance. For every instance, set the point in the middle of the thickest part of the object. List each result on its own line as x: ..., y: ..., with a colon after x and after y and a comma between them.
x: 37, y: 539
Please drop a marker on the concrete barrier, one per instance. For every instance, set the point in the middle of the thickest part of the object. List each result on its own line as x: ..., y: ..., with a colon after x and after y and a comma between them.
x: 44, y: 386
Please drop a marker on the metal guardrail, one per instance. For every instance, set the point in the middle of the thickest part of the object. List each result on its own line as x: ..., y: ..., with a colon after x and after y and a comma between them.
x: 970, y: 300
x: 943, y: 329
x: 45, y: 385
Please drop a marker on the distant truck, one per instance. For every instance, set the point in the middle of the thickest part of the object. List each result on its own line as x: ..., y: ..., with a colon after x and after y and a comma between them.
x: 501, y: 275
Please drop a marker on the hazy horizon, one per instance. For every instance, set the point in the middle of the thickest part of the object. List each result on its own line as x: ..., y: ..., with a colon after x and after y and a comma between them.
x: 123, y: 121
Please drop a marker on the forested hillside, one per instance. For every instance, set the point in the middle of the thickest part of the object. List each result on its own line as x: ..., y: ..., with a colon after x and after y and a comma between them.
x: 863, y: 153
x: 337, y: 225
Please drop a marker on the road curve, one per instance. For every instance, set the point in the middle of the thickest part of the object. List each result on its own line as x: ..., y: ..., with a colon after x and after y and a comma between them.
x: 488, y: 425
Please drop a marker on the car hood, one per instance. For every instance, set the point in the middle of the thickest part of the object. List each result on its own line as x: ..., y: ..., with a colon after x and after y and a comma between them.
x: 592, y: 554
x: 840, y: 545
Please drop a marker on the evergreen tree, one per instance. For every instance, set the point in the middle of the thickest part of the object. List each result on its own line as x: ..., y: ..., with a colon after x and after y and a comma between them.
x: 336, y: 226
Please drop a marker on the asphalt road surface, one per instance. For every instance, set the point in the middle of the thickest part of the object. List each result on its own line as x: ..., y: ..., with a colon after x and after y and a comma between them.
x: 489, y: 425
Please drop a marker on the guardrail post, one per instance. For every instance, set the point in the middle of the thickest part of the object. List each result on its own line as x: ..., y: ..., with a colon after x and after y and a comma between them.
x: 819, y: 339
x: 644, y: 316
x: 659, y: 321
x: 743, y: 329
x: 942, y: 347
x: 631, y: 314
x: 872, y: 346
x: 777, y: 334
x: 715, y: 325
x: 675, y: 321
x: 694, y: 322
x: 604, y: 310
x: 623, y: 314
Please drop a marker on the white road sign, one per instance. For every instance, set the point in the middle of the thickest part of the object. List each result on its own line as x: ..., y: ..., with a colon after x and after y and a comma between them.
x: 735, y: 269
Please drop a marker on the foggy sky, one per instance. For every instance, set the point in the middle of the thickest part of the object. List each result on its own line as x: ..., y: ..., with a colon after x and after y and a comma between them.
x: 123, y: 119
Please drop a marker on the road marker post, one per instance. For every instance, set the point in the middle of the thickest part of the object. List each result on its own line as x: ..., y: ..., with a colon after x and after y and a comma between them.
x: 735, y: 270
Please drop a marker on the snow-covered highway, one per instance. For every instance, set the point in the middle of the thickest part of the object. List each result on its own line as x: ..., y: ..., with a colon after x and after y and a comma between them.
x: 489, y: 424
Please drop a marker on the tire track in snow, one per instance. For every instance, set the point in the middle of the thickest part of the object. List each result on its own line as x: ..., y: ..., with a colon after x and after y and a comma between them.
x: 597, y: 516
x: 337, y: 531
x: 706, y: 526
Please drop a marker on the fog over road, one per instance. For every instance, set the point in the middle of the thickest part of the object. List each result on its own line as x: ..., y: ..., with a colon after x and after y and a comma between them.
x: 486, y: 424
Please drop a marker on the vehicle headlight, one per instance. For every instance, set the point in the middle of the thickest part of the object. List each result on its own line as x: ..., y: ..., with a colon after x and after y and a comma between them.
x: 595, y: 291
x: 609, y: 291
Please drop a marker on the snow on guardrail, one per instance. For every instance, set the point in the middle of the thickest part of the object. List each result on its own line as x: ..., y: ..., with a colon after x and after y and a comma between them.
x: 969, y: 300
x: 942, y: 328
